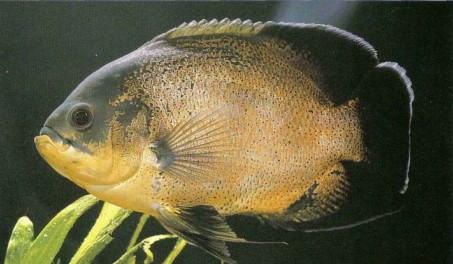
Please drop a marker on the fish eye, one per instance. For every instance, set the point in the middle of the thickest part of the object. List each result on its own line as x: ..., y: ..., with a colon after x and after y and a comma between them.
x: 81, y: 117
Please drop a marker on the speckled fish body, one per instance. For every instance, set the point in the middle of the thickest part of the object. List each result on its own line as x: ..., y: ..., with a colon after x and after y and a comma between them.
x: 222, y: 118
x: 275, y: 126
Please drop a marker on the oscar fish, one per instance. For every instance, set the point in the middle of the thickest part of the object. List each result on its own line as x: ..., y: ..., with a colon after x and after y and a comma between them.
x: 291, y: 123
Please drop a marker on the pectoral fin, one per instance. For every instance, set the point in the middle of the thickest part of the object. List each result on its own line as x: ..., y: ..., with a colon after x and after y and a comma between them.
x: 202, y: 226
x: 199, y: 148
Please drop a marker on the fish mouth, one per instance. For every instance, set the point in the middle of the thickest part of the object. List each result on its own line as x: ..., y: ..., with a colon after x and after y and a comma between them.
x: 48, y: 135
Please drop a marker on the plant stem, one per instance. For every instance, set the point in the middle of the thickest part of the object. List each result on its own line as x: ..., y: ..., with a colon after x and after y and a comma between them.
x: 179, y: 246
x: 138, y: 229
x: 150, y: 240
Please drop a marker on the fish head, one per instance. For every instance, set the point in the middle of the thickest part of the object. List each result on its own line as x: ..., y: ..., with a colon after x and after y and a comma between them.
x: 93, y: 138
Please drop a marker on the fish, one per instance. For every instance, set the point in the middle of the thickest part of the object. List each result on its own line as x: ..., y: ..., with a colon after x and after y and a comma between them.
x: 290, y: 123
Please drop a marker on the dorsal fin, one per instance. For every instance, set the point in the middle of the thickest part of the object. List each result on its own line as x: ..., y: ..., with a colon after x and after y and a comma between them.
x: 337, y: 58
x: 342, y: 57
x: 213, y: 27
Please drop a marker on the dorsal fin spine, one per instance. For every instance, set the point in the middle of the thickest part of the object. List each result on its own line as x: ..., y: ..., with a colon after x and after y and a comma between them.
x: 204, y: 27
x: 247, y: 27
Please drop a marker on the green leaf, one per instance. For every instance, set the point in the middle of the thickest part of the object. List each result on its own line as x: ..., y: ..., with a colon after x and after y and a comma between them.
x: 135, y: 235
x: 20, y: 241
x: 109, y: 219
x: 179, y: 246
x: 138, y: 229
x: 45, y: 247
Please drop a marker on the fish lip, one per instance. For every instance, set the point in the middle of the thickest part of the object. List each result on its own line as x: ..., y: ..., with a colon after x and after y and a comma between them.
x: 56, y: 138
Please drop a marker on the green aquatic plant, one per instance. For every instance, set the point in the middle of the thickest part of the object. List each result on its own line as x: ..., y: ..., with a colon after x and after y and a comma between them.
x: 23, y: 248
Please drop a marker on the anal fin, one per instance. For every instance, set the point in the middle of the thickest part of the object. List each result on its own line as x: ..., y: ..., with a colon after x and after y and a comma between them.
x: 324, y: 197
x: 202, y: 226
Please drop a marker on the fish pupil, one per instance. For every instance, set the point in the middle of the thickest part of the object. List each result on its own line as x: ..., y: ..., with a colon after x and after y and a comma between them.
x: 81, y: 117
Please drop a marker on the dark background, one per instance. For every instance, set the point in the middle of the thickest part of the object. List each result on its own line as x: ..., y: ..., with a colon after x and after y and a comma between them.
x: 46, y: 49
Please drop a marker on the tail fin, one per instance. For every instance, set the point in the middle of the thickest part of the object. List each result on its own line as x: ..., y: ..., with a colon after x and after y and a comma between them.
x: 377, y: 184
x: 386, y: 96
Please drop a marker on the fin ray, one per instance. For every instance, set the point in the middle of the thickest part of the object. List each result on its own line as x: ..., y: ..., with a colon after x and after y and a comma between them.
x: 202, y: 226
x: 201, y: 147
x: 342, y: 227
